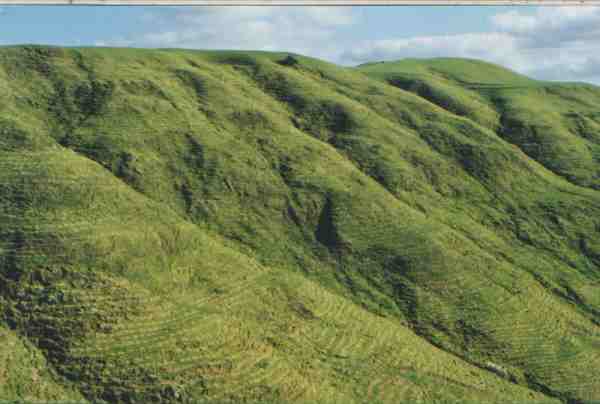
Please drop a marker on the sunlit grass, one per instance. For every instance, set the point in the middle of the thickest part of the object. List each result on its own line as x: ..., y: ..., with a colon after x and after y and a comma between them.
x: 227, y: 227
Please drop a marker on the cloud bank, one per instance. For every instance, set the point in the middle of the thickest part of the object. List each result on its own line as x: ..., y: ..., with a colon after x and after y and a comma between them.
x: 552, y: 43
x: 560, y: 43
x: 306, y: 30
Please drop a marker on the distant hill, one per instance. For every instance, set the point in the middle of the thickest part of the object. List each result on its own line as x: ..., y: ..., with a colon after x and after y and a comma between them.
x: 556, y: 124
x: 216, y: 226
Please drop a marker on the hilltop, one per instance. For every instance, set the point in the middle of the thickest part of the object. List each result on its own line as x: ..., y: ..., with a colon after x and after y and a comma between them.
x: 215, y: 226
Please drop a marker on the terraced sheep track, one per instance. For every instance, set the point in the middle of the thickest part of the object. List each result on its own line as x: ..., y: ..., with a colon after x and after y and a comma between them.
x: 184, y: 226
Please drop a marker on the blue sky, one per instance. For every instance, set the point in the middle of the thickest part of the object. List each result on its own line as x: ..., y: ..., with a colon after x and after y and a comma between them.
x: 560, y: 43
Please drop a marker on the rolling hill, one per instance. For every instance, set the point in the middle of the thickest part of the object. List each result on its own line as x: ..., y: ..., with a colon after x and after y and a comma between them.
x: 216, y: 226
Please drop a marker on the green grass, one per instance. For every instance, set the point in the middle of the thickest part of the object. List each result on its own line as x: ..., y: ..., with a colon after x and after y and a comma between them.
x: 191, y: 226
x: 554, y: 123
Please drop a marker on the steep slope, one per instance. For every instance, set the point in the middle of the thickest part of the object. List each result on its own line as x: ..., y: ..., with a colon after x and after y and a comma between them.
x: 556, y: 124
x: 24, y: 372
x: 188, y: 226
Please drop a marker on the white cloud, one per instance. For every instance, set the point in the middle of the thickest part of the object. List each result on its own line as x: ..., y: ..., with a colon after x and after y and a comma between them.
x: 330, y: 16
x: 117, y: 42
x: 550, y: 19
x: 551, y: 43
x: 544, y: 42
x: 475, y: 45
x: 308, y: 30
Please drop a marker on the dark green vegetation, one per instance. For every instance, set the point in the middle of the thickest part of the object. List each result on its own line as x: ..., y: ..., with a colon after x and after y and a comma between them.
x: 184, y: 226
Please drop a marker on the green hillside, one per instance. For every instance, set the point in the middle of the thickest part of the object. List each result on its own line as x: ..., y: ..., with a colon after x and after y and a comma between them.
x: 557, y: 124
x: 186, y: 226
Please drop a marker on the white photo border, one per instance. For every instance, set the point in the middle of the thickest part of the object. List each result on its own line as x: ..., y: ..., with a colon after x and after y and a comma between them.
x: 306, y: 2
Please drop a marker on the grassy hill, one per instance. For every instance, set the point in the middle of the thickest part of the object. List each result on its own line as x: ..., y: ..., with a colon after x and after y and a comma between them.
x: 186, y: 226
x: 556, y: 124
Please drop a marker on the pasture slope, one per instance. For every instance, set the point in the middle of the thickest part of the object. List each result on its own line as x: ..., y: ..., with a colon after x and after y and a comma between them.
x: 250, y: 227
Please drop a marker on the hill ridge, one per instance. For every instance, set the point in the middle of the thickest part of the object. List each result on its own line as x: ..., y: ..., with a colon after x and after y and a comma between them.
x: 227, y: 226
